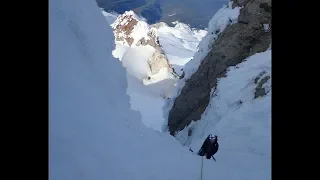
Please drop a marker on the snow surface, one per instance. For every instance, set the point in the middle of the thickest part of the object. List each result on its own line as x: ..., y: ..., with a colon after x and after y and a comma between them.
x: 142, y: 92
x: 135, y: 60
x: 162, y: 83
x: 119, y: 51
x: 266, y: 27
x: 179, y: 43
x: 93, y: 133
x: 147, y: 102
x: 140, y: 31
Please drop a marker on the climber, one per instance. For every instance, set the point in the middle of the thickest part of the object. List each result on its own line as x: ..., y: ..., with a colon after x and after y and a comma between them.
x: 209, y: 147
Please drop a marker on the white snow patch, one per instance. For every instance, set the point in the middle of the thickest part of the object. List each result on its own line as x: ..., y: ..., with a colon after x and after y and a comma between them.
x: 266, y: 27
x: 199, y: 34
x: 147, y: 102
x: 162, y: 83
x: 135, y: 60
x: 179, y: 43
x: 119, y: 51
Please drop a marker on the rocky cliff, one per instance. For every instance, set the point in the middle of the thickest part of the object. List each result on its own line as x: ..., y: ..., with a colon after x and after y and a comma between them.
x: 250, y: 35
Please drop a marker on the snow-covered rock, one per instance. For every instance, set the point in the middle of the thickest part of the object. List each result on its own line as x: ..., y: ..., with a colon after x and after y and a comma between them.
x: 131, y: 30
x: 178, y: 44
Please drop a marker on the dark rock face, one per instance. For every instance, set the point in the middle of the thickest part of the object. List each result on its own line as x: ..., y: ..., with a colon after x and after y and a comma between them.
x: 239, y: 3
x: 260, y: 91
x: 235, y: 43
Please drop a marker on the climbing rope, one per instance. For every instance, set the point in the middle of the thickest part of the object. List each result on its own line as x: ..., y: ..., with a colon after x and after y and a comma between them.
x: 201, y: 166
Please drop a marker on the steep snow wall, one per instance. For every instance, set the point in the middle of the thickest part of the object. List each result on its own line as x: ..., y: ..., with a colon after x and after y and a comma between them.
x: 93, y: 134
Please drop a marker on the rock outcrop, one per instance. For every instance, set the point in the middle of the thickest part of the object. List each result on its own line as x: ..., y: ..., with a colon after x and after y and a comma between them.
x: 237, y: 42
x: 131, y: 31
x: 158, y: 61
x: 260, y: 91
x: 123, y: 27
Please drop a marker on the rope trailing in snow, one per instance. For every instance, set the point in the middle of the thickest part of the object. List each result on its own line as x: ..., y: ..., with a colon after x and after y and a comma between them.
x: 201, y: 166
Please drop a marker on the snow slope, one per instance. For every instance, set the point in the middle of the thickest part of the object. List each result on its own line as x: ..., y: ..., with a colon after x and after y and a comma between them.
x: 145, y: 101
x: 93, y: 134
x: 179, y: 43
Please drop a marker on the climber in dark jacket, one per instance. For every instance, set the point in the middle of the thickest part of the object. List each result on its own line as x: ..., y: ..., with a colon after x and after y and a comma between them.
x: 209, y: 147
